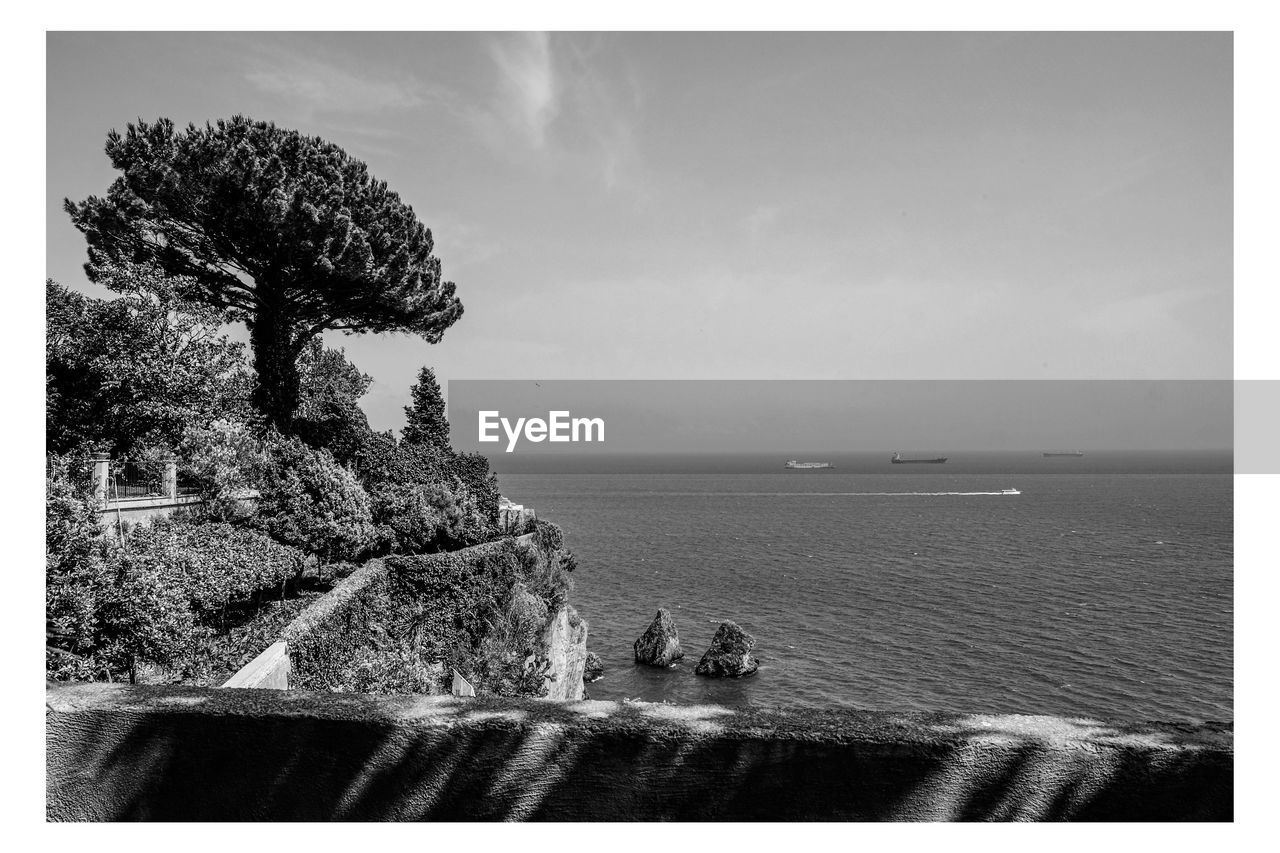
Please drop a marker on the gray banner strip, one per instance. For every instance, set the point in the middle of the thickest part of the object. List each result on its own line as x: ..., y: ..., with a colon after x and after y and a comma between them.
x: 535, y: 418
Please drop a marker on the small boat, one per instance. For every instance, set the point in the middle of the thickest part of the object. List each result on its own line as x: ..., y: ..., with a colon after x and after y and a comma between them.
x: 897, y: 459
x: 1010, y: 492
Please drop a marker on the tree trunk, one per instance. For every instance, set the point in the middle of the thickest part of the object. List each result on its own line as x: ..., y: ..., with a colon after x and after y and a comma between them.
x: 276, y: 346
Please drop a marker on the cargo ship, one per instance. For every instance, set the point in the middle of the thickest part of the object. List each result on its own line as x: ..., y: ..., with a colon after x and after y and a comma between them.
x: 897, y: 459
x: 794, y: 464
x: 1064, y: 453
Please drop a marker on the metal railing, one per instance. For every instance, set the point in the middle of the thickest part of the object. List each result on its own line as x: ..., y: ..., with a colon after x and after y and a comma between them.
x: 133, y: 481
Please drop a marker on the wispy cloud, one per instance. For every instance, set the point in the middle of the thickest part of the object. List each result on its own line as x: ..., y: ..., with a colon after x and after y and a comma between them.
x: 530, y: 89
x: 563, y: 102
x: 321, y: 86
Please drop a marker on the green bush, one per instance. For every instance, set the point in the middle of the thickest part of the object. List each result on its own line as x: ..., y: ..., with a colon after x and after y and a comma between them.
x: 418, y: 502
x: 404, y: 622
x: 548, y: 576
x: 134, y: 371
x: 307, y: 500
x: 448, y: 602
x: 73, y: 566
x: 107, y: 610
x: 511, y: 659
x: 144, y: 614
x: 473, y: 470
x: 329, y: 388
x: 115, y: 602
x: 219, y: 563
x: 226, y: 460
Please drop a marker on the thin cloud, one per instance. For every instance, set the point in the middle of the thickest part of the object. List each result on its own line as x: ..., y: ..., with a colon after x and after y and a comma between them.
x: 530, y: 92
x: 323, y: 87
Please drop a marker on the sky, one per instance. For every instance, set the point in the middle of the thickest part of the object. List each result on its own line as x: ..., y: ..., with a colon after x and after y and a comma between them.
x: 740, y: 206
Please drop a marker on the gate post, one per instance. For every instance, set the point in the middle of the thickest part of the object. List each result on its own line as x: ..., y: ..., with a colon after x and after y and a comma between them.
x: 169, y: 483
x: 101, y: 474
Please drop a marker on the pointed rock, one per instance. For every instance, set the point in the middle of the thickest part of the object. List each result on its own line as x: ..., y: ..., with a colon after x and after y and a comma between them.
x: 659, y: 645
x: 594, y: 668
x: 729, y: 655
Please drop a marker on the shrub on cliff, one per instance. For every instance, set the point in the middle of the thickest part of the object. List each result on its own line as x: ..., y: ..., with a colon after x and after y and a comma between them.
x: 549, y: 574
x: 419, y: 519
x: 473, y: 470
x: 484, y: 612
x: 511, y: 659
x: 422, y: 498
x: 307, y: 500
x: 450, y: 601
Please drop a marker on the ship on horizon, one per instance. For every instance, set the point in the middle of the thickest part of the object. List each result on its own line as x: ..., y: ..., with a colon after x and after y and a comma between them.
x: 897, y: 459
x: 1064, y: 453
x: 791, y: 463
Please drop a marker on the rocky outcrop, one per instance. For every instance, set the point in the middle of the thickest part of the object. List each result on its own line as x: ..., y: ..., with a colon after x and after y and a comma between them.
x: 594, y: 668
x: 659, y: 645
x: 729, y: 655
x: 566, y: 643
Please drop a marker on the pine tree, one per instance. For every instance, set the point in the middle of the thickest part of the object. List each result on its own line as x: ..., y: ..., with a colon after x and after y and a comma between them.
x: 426, y: 423
x: 283, y: 232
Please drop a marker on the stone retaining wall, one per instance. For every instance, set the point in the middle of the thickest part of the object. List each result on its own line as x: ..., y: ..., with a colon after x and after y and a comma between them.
x: 116, y: 752
x: 336, y: 626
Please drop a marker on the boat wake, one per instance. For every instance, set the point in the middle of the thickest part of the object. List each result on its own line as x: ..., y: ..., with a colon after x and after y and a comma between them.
x: 1001, y: 493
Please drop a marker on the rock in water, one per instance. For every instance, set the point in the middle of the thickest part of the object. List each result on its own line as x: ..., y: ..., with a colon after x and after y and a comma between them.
x: 730, y: 654
x: 594, y: 668
x: 659, y: 645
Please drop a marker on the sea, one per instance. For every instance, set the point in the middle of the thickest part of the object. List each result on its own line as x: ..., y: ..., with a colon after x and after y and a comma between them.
x: 1103, y: 590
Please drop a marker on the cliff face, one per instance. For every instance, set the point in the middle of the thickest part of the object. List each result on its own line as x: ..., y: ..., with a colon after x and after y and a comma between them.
x: 566, y: 641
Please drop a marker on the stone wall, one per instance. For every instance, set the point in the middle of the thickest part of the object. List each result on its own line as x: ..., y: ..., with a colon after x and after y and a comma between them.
x: 130, y: 511
x: 116, y: 752
x: 343, y: 623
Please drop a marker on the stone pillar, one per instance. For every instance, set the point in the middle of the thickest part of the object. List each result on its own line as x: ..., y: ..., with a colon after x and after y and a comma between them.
x: 101, y: 475
x: 169, y: 484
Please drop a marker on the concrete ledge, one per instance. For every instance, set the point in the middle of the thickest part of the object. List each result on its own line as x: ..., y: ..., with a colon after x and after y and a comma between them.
x: 268, y: 671
x: 328, y: 606
x: 134, y: 510
x: 116, y: 752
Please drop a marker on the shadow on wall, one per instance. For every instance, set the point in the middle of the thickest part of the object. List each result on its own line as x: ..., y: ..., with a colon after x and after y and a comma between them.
x: 148, y: 753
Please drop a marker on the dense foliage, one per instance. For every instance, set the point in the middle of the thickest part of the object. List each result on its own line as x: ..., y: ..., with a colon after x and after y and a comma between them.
x: 226, y: 460
x: 425, y: 498
x: 220, y: 563
x: 115, y: 602
x: 130, y: 373
x: 282, y: 231
x: 243, y: 221
x: 410, y: 620
x: 329, y: 414
x: 306, y: 499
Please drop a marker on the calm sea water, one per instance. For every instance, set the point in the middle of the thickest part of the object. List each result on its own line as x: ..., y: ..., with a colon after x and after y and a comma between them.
x: 1104, y: 589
